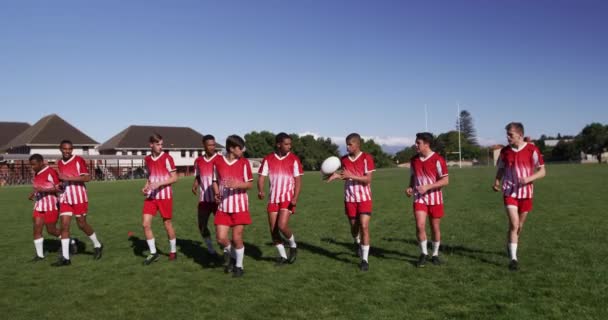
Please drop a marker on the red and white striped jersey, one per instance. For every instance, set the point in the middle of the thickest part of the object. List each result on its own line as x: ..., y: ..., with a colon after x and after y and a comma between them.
x: 73, y: 192
x: 428, y: 171
x: 203, y: 170
x: 159, y: 169
x: 233, y: 200
x: 360, y: 165
x: 517, y: 164
x: 282, y: 172
x: 45, y: 178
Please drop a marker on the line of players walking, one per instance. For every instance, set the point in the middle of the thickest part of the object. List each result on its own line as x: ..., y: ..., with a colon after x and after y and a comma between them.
x: 221, y: 183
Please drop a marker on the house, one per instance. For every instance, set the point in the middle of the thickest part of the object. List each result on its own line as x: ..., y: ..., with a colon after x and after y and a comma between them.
x: 184, y: 144
x: 10, y: 130
x: 44, y: 138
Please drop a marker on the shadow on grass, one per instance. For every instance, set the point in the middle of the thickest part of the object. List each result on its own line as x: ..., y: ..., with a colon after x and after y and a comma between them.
x: 374, y: 251
x: 198, y: 253
x: 52, y: 245
x: 458, y: 250
x: 323, y: 252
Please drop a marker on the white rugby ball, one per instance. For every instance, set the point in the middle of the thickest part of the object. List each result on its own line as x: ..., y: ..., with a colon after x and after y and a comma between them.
x: 330, y: 165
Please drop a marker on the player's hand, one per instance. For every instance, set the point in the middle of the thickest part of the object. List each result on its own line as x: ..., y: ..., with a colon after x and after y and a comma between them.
x: 153, y: 185
x: 347, y: 175
x: 409, y: 191
x: 261, y: 195
x: 195, y: 190
x: 31, y: 196
x: 422, y: 189
x: 496, y: 187
x: 294, y: 201
x: 334, y: 176
x: 524, y: 180
x: 218, y: 198
x: 144, y: 191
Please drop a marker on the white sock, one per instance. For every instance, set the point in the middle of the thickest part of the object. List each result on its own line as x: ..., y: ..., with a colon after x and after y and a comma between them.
x: 228, y: 250
x: 173, y: 245
x: 435, y: 248
x: 281, y: 250
x: 364, y: 252
x: 209, y: 244
x: 38, y: 245
x: 423, y: 248
x: 513, y: 250
x: 96, y: 242
x: 357, y: 239
x: 292, y: 242
x: 65, y: 248
x: 151, y: 245
x: 240, y: 253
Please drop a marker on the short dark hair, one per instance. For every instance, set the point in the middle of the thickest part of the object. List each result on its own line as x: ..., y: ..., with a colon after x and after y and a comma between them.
x: 281, y: 137
x: 352, y: 136
x: 64, y: 141
x: 208, y: 137
x: 36, y: 156
x: 425, y: 137
x: 154, y: 138
x: 234, y: 141
x: 515, y: 125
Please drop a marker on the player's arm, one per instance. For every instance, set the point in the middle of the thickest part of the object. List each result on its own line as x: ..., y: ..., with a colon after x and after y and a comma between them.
x: 297, y: 188
x: 442, y: 182
x: 84, y: 177
x: 410, y: 189
x: 539, y: 174
x: 261, y: 180
x: 172, y: 179
x: 499, y: 174
x: 31, y: 196
x: 241, y: 185
x: 365, y: 179
x: 216, y: 191
x: 195, y: 185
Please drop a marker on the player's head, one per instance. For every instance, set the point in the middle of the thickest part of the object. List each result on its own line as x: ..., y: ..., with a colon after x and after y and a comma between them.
x: 37, y: 162
x: 283, y: 143
x: 156, y: 143
x: 235, y: 145
x: 424, y: 141
x: 515, y: 133
x: 353, y: 143
x: 66, y: 147
x: 209, y: 144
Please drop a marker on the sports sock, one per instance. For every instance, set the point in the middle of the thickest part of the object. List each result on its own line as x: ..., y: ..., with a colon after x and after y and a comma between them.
x: 173, y: 245
x: 240, y: 253
x: 364, y: 252
x: 513, y: 250
x: 96, y: 242
x: 292, y: 242
x: 435, y: 248
x: 423, y: 247
x: 65, y: 248
x: 151, y: 245
x: 38, y: 245
x: 281, y: 250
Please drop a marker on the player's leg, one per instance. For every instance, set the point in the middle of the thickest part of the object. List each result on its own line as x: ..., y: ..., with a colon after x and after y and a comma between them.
x: 203, y: 219
x: 66, y: 220
x: 420, y: 217
x: 522, y: 219
x: 221, y: 235
x: 513, y: 235
x: 364, y: 219
x: 283, y: 221
x: 436, y: 239
x: 38, y: 223
x: 171, y: 236
x: 81, y: 220
x: 146, y: 223
x: 239, y: 248
x: 276, y: 236
x: 350, y: 209
x: 51, y: 228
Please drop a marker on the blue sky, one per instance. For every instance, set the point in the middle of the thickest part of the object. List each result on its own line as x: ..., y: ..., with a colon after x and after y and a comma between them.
x: 324, y: 67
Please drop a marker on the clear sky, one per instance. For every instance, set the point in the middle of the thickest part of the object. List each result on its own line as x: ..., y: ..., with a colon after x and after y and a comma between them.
x: 325, y: 67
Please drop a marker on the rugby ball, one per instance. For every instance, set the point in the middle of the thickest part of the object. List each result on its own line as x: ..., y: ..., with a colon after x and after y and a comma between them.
x: 330, y: 165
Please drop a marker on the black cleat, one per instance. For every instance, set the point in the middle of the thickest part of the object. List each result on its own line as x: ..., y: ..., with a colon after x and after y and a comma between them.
x: 229, y: 267
x: 97, y: 253
x: 364, y: 266
x: 436, y: 261
x: 62, y: 262
x: 238, y: 272
x: 152, y: 257
x: 513, y: 265
x: 293, y: 254
x: 421, y: 261
x: 37, y: 258
x: 281, y: 262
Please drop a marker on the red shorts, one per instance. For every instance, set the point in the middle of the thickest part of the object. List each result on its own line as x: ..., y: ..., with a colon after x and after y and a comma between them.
x: 276, y: 207
x: 523, y: 205
x: 79, y: 209
x: 231, y: 219
x: 353, y: 209
x: 434, y: 211
x: 50, y: 217
x: 207, y: 207
x: 165, y: 206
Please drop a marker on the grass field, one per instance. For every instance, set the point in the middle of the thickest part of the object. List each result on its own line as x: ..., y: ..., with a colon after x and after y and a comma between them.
x: 563, y: 256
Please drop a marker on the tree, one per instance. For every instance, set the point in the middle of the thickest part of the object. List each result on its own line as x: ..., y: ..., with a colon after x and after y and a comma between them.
x: 381, y: 158
x: 405, y: 155
x: 447, y: 145
x: 564, y: 151
x: 467, y: 129
x: 593, y: 139
x: 259, y: 144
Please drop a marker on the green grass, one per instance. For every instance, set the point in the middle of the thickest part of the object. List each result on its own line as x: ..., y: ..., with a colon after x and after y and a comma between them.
x: 563, y: 254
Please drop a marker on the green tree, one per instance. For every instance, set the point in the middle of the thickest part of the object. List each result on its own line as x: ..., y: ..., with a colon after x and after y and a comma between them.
x: 405, y: 155
x: 381, y: 158
x: 259, y: 144
x: 564, y: 151
x: 593, y: 139
x: 467, y: 128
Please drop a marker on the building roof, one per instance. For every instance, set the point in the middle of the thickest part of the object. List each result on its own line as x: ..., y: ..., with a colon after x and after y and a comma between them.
x: 9, y: 130
x: 136, y: 137
x: 49, y: 131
